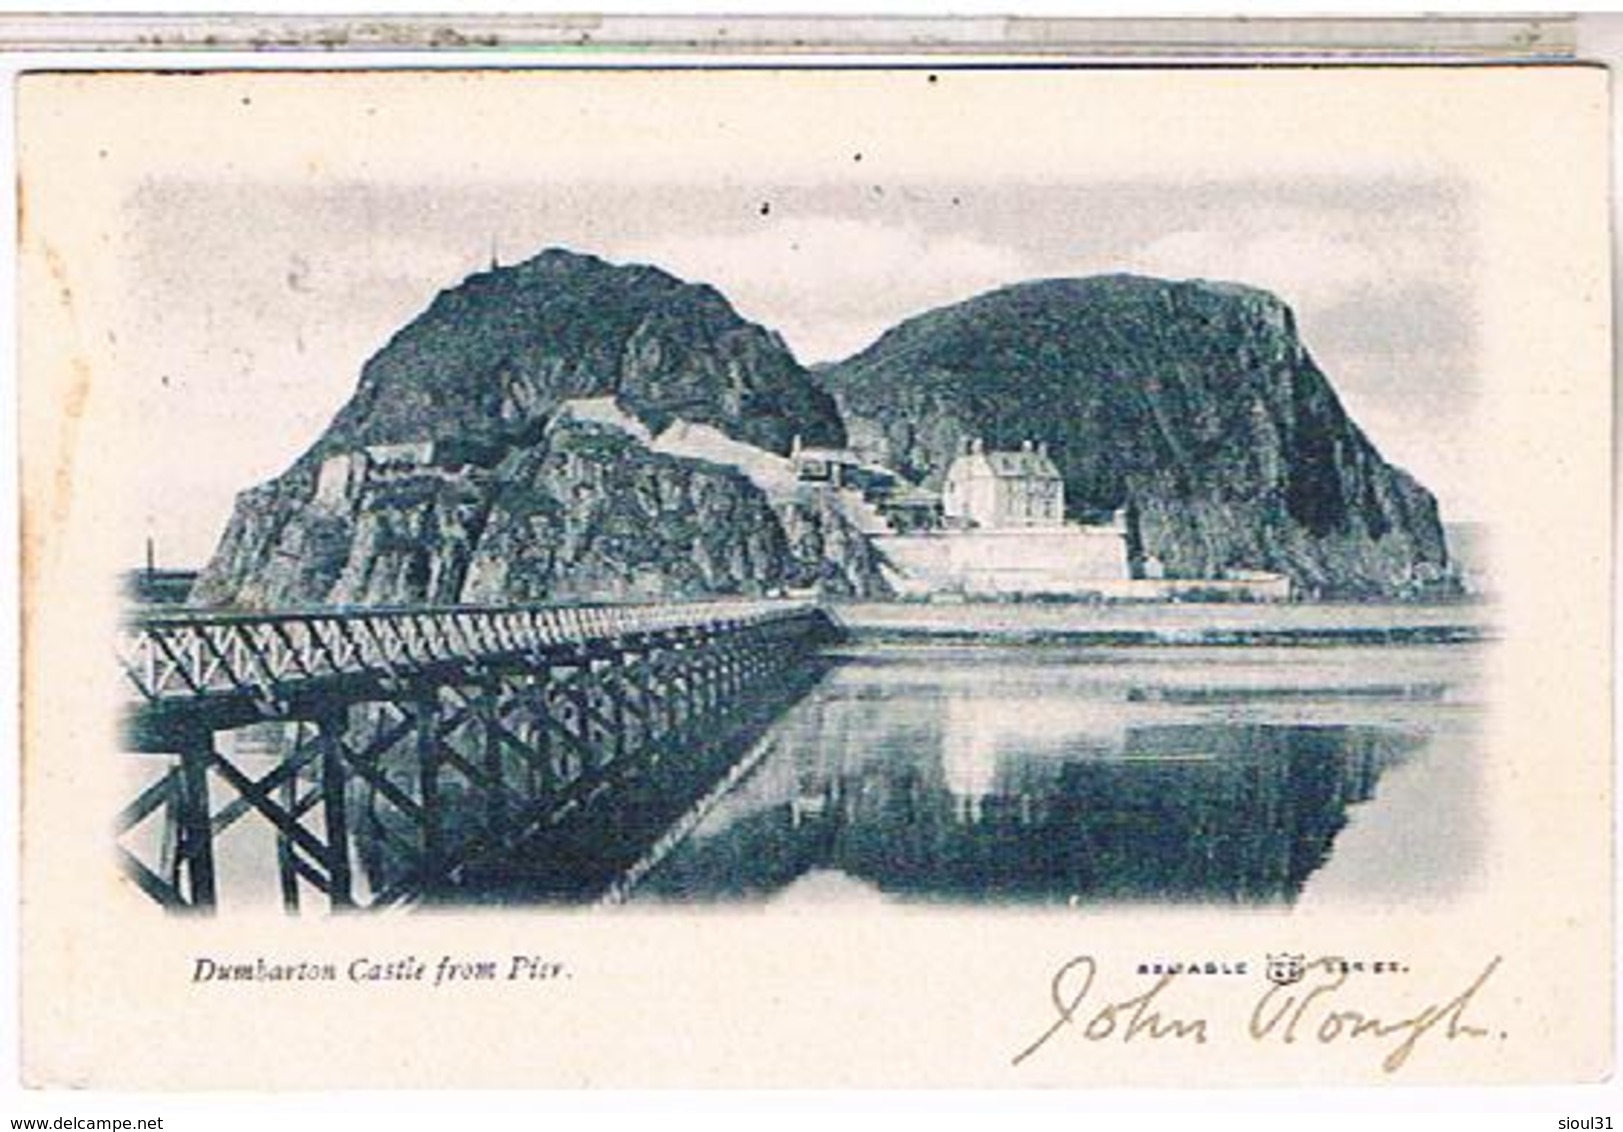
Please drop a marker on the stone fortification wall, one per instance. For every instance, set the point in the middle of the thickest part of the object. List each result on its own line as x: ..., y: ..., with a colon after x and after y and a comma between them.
x: 1070, y: 561
x: 1045, y: 560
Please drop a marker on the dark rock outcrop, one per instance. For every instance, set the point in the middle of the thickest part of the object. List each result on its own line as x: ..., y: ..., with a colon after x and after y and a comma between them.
x: 451, y: 476
x: 586, y: 513
x: 591, y: 514
x: 1193, y: 405
x: 491, y: 359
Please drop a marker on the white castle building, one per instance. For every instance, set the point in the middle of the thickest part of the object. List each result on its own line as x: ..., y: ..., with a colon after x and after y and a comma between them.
x: 1003, y: 489
x: 1004, y: 531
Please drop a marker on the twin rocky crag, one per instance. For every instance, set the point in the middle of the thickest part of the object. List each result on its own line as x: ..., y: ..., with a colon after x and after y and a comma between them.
x: 460, y: 472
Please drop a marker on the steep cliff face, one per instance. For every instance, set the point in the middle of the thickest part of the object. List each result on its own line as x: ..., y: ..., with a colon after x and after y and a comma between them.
x: 454, y: 475
x: 591, y: 514
x: 490, y: 360
x: 1194, y: 405
x: 451, y: 475
x: 585, y: 513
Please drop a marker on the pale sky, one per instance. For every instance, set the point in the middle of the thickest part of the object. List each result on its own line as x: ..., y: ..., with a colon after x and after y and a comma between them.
x: 260, y: 301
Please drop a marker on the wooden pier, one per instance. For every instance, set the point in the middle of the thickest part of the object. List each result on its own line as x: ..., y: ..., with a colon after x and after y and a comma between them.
x: 421, y: 749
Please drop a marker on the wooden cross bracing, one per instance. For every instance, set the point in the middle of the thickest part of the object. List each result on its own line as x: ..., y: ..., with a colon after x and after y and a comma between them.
x: 416, y: 783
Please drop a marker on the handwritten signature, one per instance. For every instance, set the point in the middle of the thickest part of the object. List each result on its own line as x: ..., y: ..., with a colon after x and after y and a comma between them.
x: 1314, y: 1008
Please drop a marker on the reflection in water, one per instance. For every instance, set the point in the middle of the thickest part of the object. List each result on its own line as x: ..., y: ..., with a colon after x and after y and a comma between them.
x: 999, y: 775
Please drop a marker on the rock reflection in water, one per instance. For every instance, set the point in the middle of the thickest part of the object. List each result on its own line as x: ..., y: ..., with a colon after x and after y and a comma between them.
x: 1040, y: 791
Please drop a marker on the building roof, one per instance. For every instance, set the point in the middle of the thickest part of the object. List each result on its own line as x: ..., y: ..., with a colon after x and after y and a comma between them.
x: 827, y: 455
x: 907, y: 495
x: 1032, y: 464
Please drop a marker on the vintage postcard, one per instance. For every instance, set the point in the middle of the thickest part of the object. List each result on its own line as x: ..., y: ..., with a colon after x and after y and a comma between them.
x: 787, y: 576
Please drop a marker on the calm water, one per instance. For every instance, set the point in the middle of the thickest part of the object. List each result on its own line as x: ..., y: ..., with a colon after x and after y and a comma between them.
x: 1065, y: 775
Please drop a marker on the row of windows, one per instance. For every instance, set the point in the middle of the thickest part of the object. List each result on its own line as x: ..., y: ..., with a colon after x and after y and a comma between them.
x: 1035, y: 509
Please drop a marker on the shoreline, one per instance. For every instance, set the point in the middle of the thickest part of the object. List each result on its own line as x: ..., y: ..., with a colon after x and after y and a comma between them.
x: 1169, y: 625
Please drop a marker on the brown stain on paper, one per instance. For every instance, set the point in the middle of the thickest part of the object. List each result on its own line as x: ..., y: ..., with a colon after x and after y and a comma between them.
x: 44, y: 519
x: 73, y: 401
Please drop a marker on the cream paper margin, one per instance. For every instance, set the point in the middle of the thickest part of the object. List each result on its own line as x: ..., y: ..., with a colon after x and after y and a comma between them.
x: 821, y: 997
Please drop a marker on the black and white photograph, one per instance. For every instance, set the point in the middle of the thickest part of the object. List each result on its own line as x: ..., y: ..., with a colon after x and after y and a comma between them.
x: 971, y: 501
x: 1005, y: 578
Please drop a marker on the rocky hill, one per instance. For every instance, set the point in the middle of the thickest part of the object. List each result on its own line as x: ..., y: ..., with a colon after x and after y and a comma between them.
x: 1193, y: 405
x: 463, y: 469
x: 451, y: 475
x: 490, y: 360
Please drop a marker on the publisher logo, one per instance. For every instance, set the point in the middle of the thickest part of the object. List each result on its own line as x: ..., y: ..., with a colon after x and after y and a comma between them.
x: 1283, y: 970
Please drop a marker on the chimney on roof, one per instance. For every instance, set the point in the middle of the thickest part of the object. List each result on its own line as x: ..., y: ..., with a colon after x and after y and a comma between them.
x: 978, y: 446
x: 1025, y: 446
x: 1042, y: 448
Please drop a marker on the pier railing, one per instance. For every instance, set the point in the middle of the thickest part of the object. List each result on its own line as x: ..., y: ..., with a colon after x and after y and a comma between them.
x: 418, y: 753
x: 176, y: 656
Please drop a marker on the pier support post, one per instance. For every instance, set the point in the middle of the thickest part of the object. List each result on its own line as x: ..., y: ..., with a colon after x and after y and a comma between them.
x: 490, y: 724
x: 544, y: 764
x: 617, y: 674
x: 580, y: 693
x: 195, y: 821
x: 335, y: 809
x: 169, y: 859
x: 287, y: 872
x: 429, y: 762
